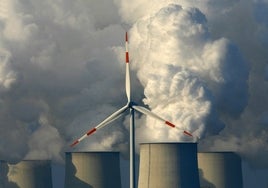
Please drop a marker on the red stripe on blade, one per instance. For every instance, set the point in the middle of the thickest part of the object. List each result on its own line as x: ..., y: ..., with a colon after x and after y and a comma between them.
x: 91, y: 131
x: 127, y: 57
x: 169, y: 124
x: 75, y: 142
x: 187, y: 133
x: 126, y: 37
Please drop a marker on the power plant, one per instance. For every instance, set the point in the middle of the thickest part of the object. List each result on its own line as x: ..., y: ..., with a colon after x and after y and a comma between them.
x: 220, y: 170
x: 92, y: 169
x: 26, y: 174
x: 172, y: 165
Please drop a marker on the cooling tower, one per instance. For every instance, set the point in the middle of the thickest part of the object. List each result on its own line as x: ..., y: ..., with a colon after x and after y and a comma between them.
x: 26, y: 174
x: 92, y: 170
x: 170, y: 165
x: 220, y: 170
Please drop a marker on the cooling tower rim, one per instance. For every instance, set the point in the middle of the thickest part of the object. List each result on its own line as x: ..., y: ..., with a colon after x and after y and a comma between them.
x: 166, y: 143
x: 93, y: 152
x: 216, y: 152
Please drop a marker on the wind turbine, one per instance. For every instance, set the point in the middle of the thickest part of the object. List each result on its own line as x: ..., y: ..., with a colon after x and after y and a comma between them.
x: 131, y: 106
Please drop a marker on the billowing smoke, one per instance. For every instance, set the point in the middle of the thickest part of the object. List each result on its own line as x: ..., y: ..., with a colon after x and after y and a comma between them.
x: 199, y: 64
x: 187, y: 76
x: 216, y: 45
x: 45, y: 142
x: 7, y: 75
x: 57, y: 64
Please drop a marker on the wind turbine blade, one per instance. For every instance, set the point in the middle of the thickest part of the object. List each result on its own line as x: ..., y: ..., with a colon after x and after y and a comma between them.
x: 149, y: 113
x: 105, y: 122
x: 127, y: 71
x: 115, y: 118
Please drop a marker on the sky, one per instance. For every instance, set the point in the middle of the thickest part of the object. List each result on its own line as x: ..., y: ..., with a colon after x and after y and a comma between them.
x: 201, y: 64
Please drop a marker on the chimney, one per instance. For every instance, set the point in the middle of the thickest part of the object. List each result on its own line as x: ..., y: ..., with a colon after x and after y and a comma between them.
x: 26, y: 174
x: 220, y: 170
x: 92, y: 169
x: 171, y: 165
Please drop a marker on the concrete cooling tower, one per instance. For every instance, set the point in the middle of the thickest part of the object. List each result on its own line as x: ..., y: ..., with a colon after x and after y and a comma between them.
x: 26, y: 174
x: 168, y: 165
x: 220, y: 170
x: 92, y: 170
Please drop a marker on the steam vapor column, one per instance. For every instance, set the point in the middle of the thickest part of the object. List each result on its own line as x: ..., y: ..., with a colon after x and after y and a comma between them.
x: 26, y: 174
x: 171, y: 165
x: 220, y: 169
x: 92, y: 169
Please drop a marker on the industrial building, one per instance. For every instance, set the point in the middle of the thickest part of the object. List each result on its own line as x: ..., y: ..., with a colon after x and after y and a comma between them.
x: 92, y: 169
x: 171, y: 165
x: 220, y: 170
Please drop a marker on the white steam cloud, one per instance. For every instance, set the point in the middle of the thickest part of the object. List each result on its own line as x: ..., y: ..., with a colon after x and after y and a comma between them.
x: 200, y: 64
x: 187, y: 76
x: 7, y: 75
x: 54, y: 56
x: 45, y: 142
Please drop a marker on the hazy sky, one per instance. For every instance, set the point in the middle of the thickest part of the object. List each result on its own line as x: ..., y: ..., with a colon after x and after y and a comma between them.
x: 201, y: 64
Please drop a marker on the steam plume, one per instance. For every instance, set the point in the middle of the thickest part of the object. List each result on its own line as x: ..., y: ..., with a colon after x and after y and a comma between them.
x: 187, y: 76
x: 62, y: 61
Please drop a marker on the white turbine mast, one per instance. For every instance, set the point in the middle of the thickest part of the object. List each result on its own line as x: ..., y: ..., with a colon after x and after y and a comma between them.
x: 131, y: 106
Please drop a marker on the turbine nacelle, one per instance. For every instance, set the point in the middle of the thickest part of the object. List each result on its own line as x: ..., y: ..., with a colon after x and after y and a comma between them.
x: 131, y: 104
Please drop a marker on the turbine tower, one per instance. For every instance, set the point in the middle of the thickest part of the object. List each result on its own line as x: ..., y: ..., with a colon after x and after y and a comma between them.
x: 131, y: 106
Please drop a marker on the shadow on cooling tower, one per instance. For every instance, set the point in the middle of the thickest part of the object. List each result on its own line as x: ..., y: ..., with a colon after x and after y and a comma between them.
x: 222, y: 169
x: 204, y: 181
x: 75, y: 182
x: 4, y: 181
x: 92, y: 170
